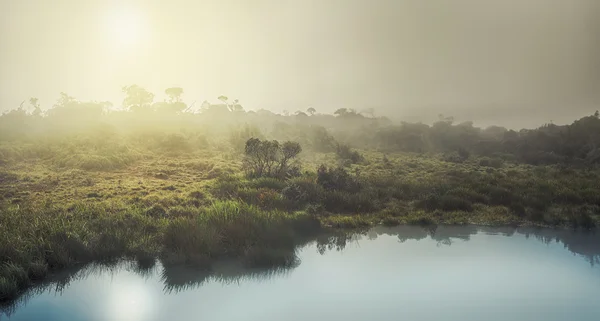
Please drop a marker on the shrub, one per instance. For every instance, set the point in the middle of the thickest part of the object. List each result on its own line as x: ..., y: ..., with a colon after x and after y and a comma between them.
x: 267, y: 182
x: 452, y: 157
x: 239, y: 138
x: 469, y: 194
x: 269, y: 158
x: 445, y: 203
x: 344, y: 152
x: 301, y: 191
x: 264, y: 198
x: 173, y: 143
x: 321, y: 140
x: 491, y: 162
x: 336, y: 179
x: 344, y: 202
x: 226, y: 187
x: 463, y: 153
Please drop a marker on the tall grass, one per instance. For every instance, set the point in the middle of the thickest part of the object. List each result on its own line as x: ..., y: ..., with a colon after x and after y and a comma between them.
x: 42, y: 237
x: 232, y: 229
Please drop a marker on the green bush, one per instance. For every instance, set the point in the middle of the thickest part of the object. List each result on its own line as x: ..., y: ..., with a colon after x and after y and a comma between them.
x: 302, y: 191
x: 344, y: 152
x: 270, y: 159
x: 337, y: 179
x: 491, y: 162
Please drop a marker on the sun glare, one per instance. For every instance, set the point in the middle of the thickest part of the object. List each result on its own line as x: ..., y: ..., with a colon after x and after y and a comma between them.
x: 126, y: 27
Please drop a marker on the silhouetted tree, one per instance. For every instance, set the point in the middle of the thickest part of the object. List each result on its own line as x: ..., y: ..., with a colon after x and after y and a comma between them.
x: 174, y: 94
x: 137, y: 98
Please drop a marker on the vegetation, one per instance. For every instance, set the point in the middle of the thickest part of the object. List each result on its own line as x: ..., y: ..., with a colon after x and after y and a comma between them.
x: 81, y: 182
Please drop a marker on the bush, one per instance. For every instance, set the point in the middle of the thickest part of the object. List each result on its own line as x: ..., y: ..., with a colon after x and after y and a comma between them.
x: 344, y: 152
x: 269, y: 158
x: 267, y: 182
x: 321, y: 140
x: 173, y: 143
x: 491, y: 162
x: 445, y: 203
x: 239, y: 138
x: 302, y: 191
x: 226, y: 187
x: 452, y: 157
x: 344, y: 202
x: 337, y: 179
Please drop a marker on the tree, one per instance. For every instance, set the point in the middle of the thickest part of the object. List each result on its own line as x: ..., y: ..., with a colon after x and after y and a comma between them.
x: 137, y: 98
x: 311, y: 111
x: 174, y: 103
x: 236, y: 107
x: 35, y: 105
x: 301, y: 114
x: 64, y: 100
x: 341, y: 112
x: 369, y: 112
x: 174, y: 94
x: 224, y: 99
x: 269, y: 158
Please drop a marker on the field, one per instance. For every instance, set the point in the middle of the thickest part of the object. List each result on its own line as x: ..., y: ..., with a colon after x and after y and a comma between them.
x: 187, y: 193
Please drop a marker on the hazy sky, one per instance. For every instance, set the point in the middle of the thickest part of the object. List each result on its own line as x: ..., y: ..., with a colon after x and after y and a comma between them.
x: 503, y: 61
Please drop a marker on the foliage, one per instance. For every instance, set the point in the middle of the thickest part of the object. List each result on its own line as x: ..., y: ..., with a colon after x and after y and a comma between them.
x: 344, y: 152
x: 269, y: 158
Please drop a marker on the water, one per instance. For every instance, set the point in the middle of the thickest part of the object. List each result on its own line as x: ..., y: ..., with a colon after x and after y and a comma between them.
x: 402, y: 273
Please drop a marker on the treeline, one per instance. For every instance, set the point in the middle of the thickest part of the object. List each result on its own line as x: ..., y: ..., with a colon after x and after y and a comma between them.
x: 228, y: 123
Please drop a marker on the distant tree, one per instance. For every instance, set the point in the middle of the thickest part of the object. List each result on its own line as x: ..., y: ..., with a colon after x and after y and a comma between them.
x: 301, y: 114
x: 345, y: 112
x: 224, y: 99
x: 341, y: 112
x: 311, y: 111
x: 204, y: 106
x: 236, y: 107
x: 67, y: 107
x: 286, y: 112
x: 369, y: 112
x: 596, y: 114
x: 444, y: 119
x: 174, y: 94
x: 35, y: 105
x: 173, y: 104
x: 137, y: 98
x: 64, y: 100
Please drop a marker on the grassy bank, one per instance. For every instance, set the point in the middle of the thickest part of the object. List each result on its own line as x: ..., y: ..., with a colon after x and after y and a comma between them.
x: 41, y: 238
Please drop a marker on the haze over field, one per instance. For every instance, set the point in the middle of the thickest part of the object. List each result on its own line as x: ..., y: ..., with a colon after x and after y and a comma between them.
x: 513, y: 63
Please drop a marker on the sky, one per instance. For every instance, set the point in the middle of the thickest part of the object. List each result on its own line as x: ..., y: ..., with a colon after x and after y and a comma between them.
x: 510, y: 62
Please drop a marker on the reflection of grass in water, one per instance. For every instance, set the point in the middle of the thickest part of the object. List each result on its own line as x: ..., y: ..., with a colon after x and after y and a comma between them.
x: 184, y: 278
x: 177, y: 278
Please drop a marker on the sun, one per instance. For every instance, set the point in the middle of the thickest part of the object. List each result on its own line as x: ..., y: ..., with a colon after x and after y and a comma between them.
x: 126, y: 27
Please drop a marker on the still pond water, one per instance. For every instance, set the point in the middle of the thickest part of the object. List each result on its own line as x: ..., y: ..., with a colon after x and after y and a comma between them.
x: 399, y: 273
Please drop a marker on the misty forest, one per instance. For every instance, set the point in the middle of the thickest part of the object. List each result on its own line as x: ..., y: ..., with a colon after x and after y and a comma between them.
x: 84, y: 181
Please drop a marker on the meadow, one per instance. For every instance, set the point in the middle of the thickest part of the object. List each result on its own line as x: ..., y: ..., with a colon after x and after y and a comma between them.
x: 80, y: 184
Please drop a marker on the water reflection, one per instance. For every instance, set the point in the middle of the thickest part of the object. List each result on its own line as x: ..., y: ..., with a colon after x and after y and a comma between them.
x: 175, y: 279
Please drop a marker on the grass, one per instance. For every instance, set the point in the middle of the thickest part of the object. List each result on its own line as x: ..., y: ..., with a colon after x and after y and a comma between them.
x: 69, y: 203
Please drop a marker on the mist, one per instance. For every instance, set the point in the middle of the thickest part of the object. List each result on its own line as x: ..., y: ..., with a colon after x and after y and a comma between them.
x: 510, y: 63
